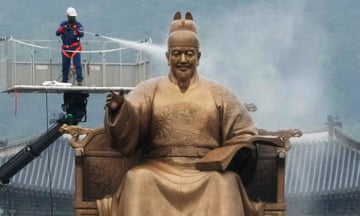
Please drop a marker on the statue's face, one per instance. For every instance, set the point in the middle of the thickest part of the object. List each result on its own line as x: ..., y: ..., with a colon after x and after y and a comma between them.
x: 183, y: 61
x: 183, y: 54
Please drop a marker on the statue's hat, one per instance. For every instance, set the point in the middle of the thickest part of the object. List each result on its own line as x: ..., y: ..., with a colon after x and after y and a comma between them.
x: 183, y: 32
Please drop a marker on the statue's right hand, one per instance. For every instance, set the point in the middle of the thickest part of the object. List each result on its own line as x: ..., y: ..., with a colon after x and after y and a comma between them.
x: 114, y: 100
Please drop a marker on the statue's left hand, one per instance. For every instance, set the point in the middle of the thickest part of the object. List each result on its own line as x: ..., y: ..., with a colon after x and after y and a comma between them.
x: 114, y: 100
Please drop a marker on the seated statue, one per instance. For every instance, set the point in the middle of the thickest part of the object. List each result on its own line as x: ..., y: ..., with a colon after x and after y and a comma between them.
x: 175, y: 120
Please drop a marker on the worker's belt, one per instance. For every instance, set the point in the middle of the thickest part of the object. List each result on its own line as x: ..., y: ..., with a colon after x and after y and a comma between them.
x: 75, y: 44
x: 177, y: 151
x: 71, y: 53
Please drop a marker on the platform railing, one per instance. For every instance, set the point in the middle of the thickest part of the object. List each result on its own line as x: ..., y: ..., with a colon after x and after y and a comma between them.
x: 105, y: 63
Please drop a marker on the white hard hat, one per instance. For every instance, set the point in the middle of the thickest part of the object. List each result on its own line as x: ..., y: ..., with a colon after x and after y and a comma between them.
x: 71, y: 11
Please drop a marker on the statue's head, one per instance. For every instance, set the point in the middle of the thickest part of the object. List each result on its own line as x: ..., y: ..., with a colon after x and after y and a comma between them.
x: 183, y: 47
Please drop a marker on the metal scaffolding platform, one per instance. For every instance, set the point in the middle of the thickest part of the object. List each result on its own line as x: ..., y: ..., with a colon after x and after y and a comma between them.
x: 26, y: 65
x: 62, y: 89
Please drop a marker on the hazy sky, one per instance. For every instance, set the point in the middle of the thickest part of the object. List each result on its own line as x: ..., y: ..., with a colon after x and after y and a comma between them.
x: 288, y: 57
x: 273, y: 55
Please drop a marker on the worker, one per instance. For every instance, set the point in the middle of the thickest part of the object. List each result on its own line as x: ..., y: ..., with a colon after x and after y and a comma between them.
x: 71, y: 31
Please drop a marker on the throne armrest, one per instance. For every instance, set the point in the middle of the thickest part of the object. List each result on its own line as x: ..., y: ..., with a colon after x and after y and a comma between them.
x: 268, y: 184
x: 99, y: 168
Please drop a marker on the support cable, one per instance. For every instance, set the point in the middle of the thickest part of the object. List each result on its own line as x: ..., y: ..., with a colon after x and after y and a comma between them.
x: 49, y: 156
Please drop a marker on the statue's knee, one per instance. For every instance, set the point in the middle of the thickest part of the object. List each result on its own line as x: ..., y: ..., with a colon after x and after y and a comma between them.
x: 139, y: 174
x: 224, y: 180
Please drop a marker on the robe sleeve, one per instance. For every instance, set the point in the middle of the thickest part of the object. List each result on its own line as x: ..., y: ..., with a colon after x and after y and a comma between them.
x: 235, y: 121
x: 123, y: 128
x: 129, y: 126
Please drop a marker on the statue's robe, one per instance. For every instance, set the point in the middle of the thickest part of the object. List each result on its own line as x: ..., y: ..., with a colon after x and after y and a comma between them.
x: 175, y: 129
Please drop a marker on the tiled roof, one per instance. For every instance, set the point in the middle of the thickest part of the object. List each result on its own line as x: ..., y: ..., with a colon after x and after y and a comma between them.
x: 317, y: 163
x: 53, y: 168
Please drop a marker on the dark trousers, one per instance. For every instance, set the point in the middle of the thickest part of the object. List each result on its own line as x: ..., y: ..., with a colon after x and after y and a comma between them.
x: 66, y: 61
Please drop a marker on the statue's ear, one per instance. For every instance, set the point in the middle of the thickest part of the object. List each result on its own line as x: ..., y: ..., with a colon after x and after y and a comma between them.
x: 177, y: 16
x: 167, y: 57
x: 198, y: 58
x: 189, y: 16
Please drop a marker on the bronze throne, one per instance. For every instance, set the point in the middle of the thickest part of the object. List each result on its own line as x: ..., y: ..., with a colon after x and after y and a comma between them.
x: 99, y: 169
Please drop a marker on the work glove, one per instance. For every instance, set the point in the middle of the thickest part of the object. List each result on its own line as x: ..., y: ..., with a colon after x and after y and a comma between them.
x: 61, y: 29
x: 77, y: 31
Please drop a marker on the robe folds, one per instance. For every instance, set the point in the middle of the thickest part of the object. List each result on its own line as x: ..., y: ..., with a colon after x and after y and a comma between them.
x: 175, y: 129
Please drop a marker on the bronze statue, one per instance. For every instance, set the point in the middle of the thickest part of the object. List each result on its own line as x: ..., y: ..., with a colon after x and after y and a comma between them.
x: 176, y: 120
